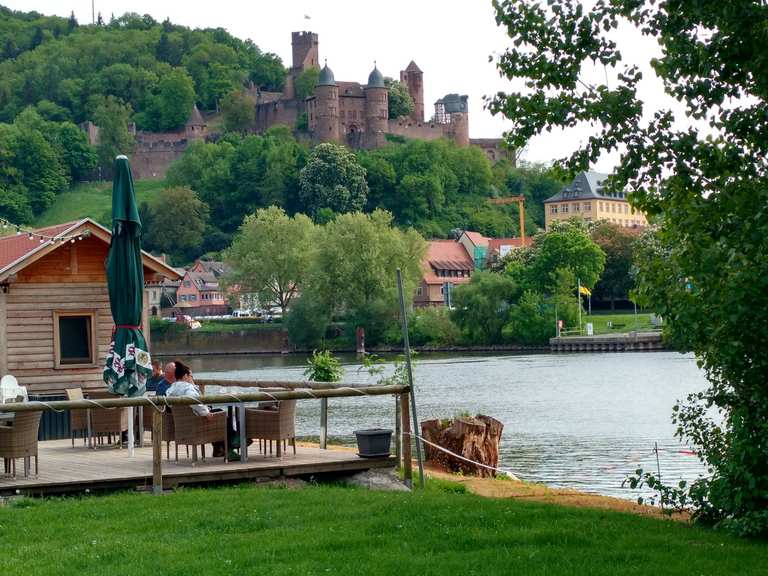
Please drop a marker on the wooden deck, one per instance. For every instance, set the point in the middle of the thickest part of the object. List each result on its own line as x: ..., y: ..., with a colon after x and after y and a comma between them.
x: 64, y: 469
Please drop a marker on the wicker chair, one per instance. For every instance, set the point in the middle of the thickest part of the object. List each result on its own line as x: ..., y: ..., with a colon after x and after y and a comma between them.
x: 192, y: 430
x: 106, y: 422
x: 167, y: 427
x: 20, y: 441
x: 269, y: 425
x: 78, y: 419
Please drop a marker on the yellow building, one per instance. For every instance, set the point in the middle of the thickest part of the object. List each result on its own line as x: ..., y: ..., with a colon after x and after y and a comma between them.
x: 586, y: 198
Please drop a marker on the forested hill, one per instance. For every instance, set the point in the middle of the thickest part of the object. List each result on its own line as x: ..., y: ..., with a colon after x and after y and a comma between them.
x: 66, y: 70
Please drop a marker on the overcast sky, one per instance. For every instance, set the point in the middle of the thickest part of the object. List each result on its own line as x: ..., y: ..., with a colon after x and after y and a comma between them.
x: 450, y: 40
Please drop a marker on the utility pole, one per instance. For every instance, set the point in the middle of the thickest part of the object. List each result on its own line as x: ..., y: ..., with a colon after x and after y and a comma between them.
x: 93, y: 11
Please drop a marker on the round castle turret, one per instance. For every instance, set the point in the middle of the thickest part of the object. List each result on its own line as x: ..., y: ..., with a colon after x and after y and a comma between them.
x: 327, y: 95
x: 376, y: 109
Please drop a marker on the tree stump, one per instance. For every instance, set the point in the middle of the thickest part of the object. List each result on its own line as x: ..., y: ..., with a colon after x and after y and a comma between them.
x: 475, y: 438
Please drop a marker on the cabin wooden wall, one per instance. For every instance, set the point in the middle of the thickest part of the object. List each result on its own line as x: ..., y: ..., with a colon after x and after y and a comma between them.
x: 70, y: 278
x: 29, y: 329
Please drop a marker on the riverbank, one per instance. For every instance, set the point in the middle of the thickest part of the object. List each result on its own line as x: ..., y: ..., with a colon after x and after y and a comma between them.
x: 266, y: 339
x: 327, y: 529
x: 506, y: 487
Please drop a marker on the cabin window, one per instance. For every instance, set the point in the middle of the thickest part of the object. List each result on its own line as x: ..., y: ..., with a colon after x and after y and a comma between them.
x: 74, y: 342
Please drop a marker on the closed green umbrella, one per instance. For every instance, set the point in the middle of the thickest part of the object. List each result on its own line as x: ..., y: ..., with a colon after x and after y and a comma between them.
x: 128, y: 362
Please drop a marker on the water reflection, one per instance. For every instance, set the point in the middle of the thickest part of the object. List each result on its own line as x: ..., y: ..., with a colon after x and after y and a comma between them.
x: 579, y: 420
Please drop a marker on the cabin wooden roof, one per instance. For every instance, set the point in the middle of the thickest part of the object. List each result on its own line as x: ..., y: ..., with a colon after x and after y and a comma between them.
x: 17, y: 251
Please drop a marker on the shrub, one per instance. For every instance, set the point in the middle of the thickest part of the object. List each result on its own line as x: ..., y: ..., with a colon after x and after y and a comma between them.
x: 433, y: 326
x: 323, y: 367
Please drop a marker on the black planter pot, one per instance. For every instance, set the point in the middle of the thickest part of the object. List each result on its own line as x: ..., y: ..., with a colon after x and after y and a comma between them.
x: 373, y: 443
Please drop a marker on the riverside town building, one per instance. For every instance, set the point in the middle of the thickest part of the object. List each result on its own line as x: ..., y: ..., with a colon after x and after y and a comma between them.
x: 586, y: 198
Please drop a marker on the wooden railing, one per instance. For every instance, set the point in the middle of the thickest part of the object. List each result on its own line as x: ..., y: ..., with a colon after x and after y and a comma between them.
x: 276, y: 390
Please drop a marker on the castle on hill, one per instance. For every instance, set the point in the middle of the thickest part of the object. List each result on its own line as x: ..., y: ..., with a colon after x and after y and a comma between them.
x: 357, y: 114
x: 337, y: 111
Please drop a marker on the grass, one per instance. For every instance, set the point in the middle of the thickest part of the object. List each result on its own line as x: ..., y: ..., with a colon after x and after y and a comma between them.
x: 336, y: 530
x: 238, y: 325
x: 622, y: 322
x: 162, y: 327
x: 94, y: 200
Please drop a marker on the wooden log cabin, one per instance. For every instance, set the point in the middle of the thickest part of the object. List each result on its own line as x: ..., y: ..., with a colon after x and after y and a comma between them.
x: 55, y: 319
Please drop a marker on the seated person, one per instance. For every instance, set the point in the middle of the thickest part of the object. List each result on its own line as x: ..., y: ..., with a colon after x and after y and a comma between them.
x: 169, y: 377
x: 185, y: 386
x: 157, y: 376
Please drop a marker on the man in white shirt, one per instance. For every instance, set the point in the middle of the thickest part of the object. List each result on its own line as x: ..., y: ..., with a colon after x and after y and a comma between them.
x: 185, y: 386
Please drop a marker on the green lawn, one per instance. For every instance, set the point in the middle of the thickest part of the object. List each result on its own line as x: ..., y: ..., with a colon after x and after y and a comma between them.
x: 335, y: 530
x: 622, y: 322
x: 93, y: 199
x: 162, y: 327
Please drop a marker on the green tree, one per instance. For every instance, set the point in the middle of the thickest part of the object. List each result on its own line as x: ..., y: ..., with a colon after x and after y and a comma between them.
x: 305, y: 82
x: 482, y: 306
x: 567, y: 245
x: 42, y: 172
x: 354, y: 268
x: 332, y: 178
x: 307, y: 321
x: 704, y: 270
x: 400, y: 101
x: 271, y: 255
x: 618, y: 244
x: 112, y: 116
x: 79, y: 157
x: 239, y: 111
x: 531, y: 321
x: 176, y: 224
x: 175, y: 99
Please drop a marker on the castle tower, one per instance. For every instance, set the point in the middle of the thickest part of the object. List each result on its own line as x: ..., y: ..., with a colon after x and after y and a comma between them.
x: 306, y: 51
x: 327, y: 107
x: 458, y: 129
x: 413, y: 78
x: 376, y: 109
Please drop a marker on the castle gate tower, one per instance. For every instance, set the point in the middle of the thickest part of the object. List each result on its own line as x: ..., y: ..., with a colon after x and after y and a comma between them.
x: 376, y: 110
x: 413, y: 78
x: 327, y: 107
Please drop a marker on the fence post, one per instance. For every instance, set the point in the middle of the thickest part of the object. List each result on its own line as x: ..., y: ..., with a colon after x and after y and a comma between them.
x: 323, y: 423
x: 241, y: 431
x: 398, y: 431
x: 157, y: 452
x: 405, y: 413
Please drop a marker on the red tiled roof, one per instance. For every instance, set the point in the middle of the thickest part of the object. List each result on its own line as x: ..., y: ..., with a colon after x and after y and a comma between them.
x: 446, y: 255
x: 16, y: 246
x: 477, y: 238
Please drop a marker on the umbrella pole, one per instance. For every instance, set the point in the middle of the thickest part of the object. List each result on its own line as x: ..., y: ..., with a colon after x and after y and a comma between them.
x: 131, y: 438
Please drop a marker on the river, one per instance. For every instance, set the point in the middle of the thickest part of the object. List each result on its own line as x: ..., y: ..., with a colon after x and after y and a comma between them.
x: 581, y: 421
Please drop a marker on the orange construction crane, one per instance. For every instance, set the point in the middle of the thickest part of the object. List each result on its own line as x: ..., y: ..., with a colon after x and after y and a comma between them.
x: 520, y: 200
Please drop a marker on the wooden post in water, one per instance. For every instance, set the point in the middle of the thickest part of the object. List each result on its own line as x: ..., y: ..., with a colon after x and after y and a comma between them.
x: 157, y: 452
x: 323, y: 423
x: 405, y: 412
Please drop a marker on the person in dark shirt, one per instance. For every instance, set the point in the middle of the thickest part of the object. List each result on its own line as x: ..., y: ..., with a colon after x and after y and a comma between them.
x: 169, y: 377
x: 157, y: 376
